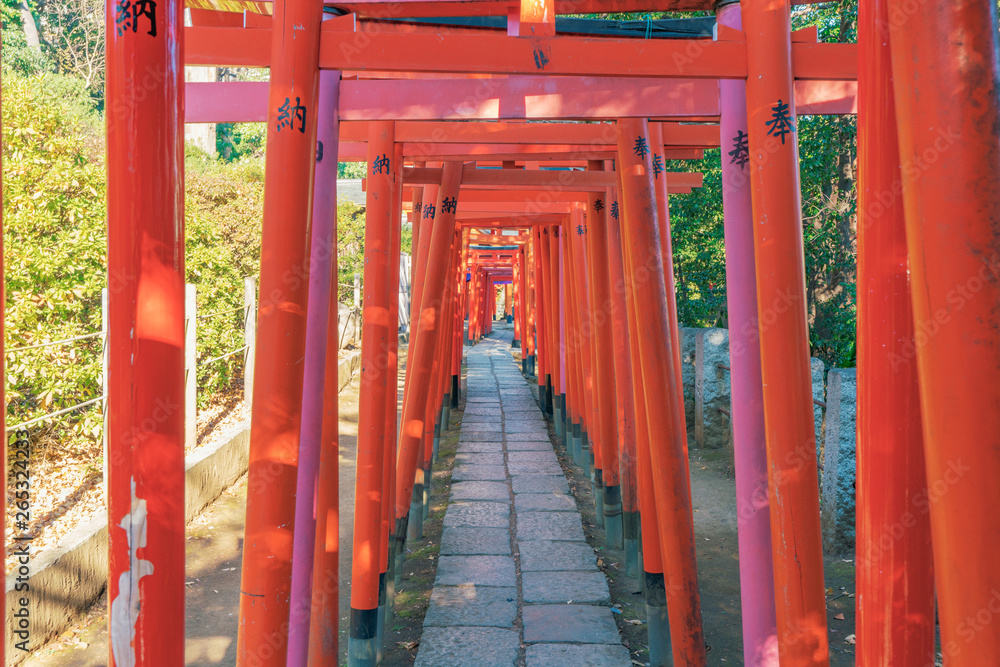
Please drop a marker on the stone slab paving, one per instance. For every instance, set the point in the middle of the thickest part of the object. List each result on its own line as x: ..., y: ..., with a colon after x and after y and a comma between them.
x: 517, y: 582
x: 575, y: 655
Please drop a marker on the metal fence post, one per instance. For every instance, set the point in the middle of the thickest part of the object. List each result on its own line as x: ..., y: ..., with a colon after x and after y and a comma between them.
x: 105, y: 358
x: 190, y: 371
x: 249, y: 339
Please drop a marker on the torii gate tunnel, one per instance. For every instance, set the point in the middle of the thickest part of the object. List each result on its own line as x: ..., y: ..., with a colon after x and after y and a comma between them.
x: 438, y: 97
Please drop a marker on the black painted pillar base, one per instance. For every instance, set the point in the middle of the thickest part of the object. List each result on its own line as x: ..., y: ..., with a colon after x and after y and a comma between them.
x: 362, y: 649
x: 630, y: 537
x: 613, y: 516
x: 415, y: 525
x: 597, y: 485
x: 657, y: 623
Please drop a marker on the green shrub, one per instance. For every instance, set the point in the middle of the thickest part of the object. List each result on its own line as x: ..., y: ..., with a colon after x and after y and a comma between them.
x: 54, y: 238
x: 54, y: 212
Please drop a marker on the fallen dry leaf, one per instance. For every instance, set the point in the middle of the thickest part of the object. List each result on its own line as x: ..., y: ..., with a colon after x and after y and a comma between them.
x: 851, y: 639
x: 839, y: 617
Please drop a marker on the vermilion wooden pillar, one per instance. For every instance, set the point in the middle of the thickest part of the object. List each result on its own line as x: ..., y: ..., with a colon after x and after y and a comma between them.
x: 322, y: 274
x: 362, y: 642
x: 587, y: 400
x: 145, y: 130
x: 473, y: 301
x: 424, y: 220
x: 386, y: 582
x: 654, y: 583
x: 542, y: 322
x: 515, y: 287
x: 945, y: 71
x: 555, y: 321
x: 531, y: 304
x: 520, y: 306
x: 624, y: 393
x: 573, y: 344
x: 793, y: 487
x: 461, y: 256
x: 672, y: 486
x: 895, y: 573
x: 421, y: 360
x: 274, y: 429
x: 565, y: 276
x: 325, y: 615
x: 600, y: 283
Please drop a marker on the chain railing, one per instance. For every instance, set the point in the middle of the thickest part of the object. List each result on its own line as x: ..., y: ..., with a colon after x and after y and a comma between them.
x: 249, y: 310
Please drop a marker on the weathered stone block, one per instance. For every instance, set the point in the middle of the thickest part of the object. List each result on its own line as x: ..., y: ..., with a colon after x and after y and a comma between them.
x: 576, y: 655
x: 687, y: 336
x: 539, y: 484
x: 497, y: 491
x: 473, y: 473
x: 524, y: 457
x: 577, y: 623
x: 451, y: 647
x: 548, y: 556
x: 534, y: 468
x: 478, y: 570
x: 467, y: 541
x: 818, y: 370
x: 544, y: 502
x: 565, y: 526
x: 711, y: 426
x: 564, y: 587
x: 478, y: 513
x: 472, y: 605
x: 840, y: 461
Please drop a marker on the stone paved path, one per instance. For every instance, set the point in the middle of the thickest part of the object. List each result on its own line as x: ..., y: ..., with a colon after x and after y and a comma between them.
x: 517, y: 583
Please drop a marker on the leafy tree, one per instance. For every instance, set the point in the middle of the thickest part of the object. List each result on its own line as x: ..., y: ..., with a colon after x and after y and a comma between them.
x: 54, y: 210
x: 73, y: 33
x: 18, y: 56
x: 351, y: 170
x: 827, y: 155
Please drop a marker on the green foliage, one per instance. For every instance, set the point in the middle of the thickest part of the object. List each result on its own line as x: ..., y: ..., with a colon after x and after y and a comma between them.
x: 16, y: 56
x: 350, y: 248
x: 828, y: 233
x: 827, y: 155
x: 232, y: 195
x: 54, y: 238
x: 699, y: 252
x: 350, y: 170
x: 236, y: 141
x: 224, y: 205
x: 55, y: 241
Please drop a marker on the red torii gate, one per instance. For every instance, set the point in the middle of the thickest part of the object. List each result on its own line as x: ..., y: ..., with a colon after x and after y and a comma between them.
x: 958, y: 182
